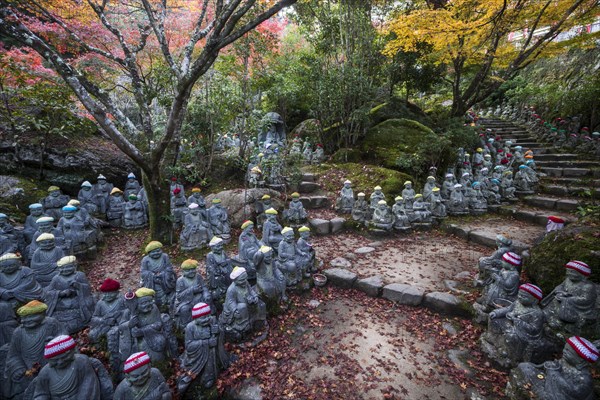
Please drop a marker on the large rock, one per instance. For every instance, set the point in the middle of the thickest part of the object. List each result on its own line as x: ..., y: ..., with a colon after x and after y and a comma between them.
x: 445, y: 303
x: 337, y: 224
x: 340, y: 277
x: 240, y: 203
x: 16, y: 194
x: 320, y: 226
x: 404, y: 294
x: 372, y: 286
x: 340, y: 262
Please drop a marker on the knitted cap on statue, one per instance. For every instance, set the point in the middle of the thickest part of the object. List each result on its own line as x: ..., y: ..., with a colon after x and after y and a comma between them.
x: 135, y: 361
x: 59, y: 345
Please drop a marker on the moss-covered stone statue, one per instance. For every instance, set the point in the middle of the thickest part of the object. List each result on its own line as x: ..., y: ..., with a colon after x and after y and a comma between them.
x: 401, y: 220
x: 134, y: 215
x: 54, y: 202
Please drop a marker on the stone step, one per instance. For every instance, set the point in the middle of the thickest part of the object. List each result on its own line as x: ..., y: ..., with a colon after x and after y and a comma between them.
x: 519, y: 139
x: 567, y: 172
x: 569, y: 181
x: 308, y: 187
x: 315, y: 201
x: 309, y: 177
x: 567, y: 163
x: 533, y: 215
x: 561, y: 190
x: 526, y: 145
x: 552, y: 203
x: 549, y: 156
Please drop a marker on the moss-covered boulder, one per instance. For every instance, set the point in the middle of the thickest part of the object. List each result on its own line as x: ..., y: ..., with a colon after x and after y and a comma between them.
x: 575, y: 242
x: 308, y: 128
x: 364, y: 178
x: 345, y: 155
x: 17, y: 193
x: 395, y: 108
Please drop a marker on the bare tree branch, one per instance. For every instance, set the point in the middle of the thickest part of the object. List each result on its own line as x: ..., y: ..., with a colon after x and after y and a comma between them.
x: 158, y: 26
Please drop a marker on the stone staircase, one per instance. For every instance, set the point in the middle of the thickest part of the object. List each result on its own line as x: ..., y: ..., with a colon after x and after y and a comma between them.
x: 311, y: 195
x: 569, y: 178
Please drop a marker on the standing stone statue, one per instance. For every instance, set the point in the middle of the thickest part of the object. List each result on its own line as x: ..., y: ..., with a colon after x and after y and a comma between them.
x: 296, y: 214
x: 36, y: 211
x: 270, y: 281
x: 248, y: 245
x: 43, y: 262
x: 204, y: 355
x: 196, y: 229
x: 158, y: 274
x: 305, y: 253
x: 447, y: 186
x: 116, y: 208
x: 218, y: 269
x: 141, y: 380
x: 286, y: 258
x: 375, y: 198
x: 190, y: 290
x: 146, y: 329
x: 436, y: 204
x: 515, y: 332
x: 69, y: 296
x: 493, y: 263
x: 568, y: 378
x: 401, y: 221
x: 219, y: 221
x: 408, y: 194
x: 87, y: 198
x: 360, y: 209
x: 132, y: 186
x: 428, y: 188
x: 102, y: 191
x: 54, y: 202
x: 71, y: 376
x: 507, y: 188
x: 243, y: 310
x: 382, y: 217
x: 178, y: 207
x: 345, y: 202
x: 571, y: 306
x: 271, y: 234
x: 502, y: 286
x: 134, y: 215
x: 17, y: 286
x: 26, y: 348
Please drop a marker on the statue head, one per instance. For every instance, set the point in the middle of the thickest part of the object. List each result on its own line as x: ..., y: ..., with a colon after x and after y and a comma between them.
x: 295, y: 197
x: 288, y: 234
x: 529, y: 294
x: 86, y: 186
x: 46, y: 241
x: 435, y: 192
x: 137, y: 369
x: 216, y: 245
x: 145, y: 300
x: 418, y: 198
x: 265, y: 254
x: 36, y: 209
x: 54, y: 191
x: 579, y: 351
x: 45, y: 224
x: 60, y: 352
x: 32, y: 314
x: 347, y: 184
x: 131, y: 177
x: 248, y: 226
x: 239, y: 276
x: 189, y: 268
x: 154, y: 249
x: 69, y: 211
x: 216, y: 203
x: 116, y: 192
x: 10, y: 263
x: 361, y: 196
x: 196, y: 192
x: 110, y: 290
x: 377, y: 189
x: 577, y: 271
x: 194, y: 209
x: 399, y: 200
x: 382, y: 205
x: 67, y: 265
x: 271, y: 214
x: 101, y: 179
x: 511, y: 260
x: 304, y: 232
x: 449, y: 177
x: 408, y: 185
x: 201, y: 314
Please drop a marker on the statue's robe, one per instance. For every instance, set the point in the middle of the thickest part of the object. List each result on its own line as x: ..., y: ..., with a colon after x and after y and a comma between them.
x: 74, y: 311
x: 79, y: 381
x: 159, y: 275
x: 155, y: 389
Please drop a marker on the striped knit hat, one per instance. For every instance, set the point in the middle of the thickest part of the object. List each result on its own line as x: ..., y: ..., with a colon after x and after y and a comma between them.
x: 532, y: 290
x: 58, y: 345
x: 512, y: 258
x: 200, y: 310
x: 580, y: 267
x: 135, y: 361
x: 584, y: 348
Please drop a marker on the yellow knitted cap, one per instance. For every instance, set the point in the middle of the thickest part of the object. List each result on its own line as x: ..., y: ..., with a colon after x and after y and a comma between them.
x: 10, y: 256
x: 377, y: 188
x: 271, y: 211
x: 265, y: 249
x: 286, y: 230
x: 116, y: 190
x: 408, y: 183
x: 295, y: 194
x: 66, y: 260
x: 45, y: 236
x: 216, y: 201
x: 53, y: 188
x: 153, y: 245
x: 247, y: 224
x: 73, y: 202
x: 304, y: 229
x: 143, y: 292
x: 189, y: 264
x: 265, y: 197
x: 33, y: 307
x: 196, y: 190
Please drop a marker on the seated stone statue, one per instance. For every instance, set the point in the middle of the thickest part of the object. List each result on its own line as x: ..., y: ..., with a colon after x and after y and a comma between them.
x: 102, y: 190
x: 408, y: 194
x: 382, y: 217
x: 54, y: 202
x: 205, y: 356
x: 196, y: 229
x: 421, y: 210
x: 11, y: 240
x: 190, y: 290
x: 458, y: 203
x: 26, y: 349
x: 286, y: 258
x: 178, y: 207
x: 261, y: 206
x: 145, y: 329
x: 447, y: 186
x: 36, y: 211
x: 360, y: 210
x: 571, y: 307
x: 429, y: 186
x: 157, y: 274
x: 296, y: 214
x: 477, y: 202
x: 307, y: 152
x: 71, y: 376
x: 196, y: 197
x: 318, y: 156
x: 375, y: 198
x: 45, y: 225
x: 345, y: 202
x: 492, y: 193
x: 248, y: 245
x: 132, y: 186
x: 271, y: 283
x: 507, y: 188
x: 305, y: 253
x: 79, y: 239
x: 243, y: 310
x: 115, y: 208
x: 401, y: 221
x: 436, y: 204
x: 515, y: 332
x: 141, y: 380
x: 134, y: 215
x: 17, y: 286
x: 87, y: 198
x: 522, y: 181
x: 45, y: 257
x: 271, y: 234
x: 219, y: 221
x: 69, y: 296
x: 568, y: 378
x: 218, y: 269
x: 493, y: 263
x: 502, y: 286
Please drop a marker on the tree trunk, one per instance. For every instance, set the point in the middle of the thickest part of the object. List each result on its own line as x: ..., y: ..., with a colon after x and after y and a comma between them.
x: 159, y: 207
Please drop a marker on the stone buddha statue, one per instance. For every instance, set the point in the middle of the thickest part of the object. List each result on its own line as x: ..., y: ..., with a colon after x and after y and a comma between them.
x: 382, y: 217
x: 102, y: 191
x: 11, y: 241
x: 219, y: 221
x: 157, y: 274
x: 345, y: 202
x: 360, y: 210
x: 142, y: 381
x: 132, y: 186
x: 178, y: 207
x: 448, y: 186
x: 318, y: 156
x: 115, y: 208
x: 515, y: 332
x: 401, y: 220
x: 458, y: 203
x: 26, y: 349
x: 196, y: 229
x: 477, y: 201
x: 436, y: 204
x: 501, y: 287
x: 44, y: 259
x: 204, y: 356
x: 191, y: 289
x: 70, y: 375
x: 568, y: 378
x: 69, y: 296
x: 45, y: 225
x: 375, y: 198
x: 408, y: 194
x: 507, y: 188
x: 243, y: 310
x: 36, y: 211
x: 261, y: 206
x: 79, y: 239
x: 286, y: 258
x: 429, y: 186
x: 196, y: 197
x: 134, y: 215
x: 522, y: 181
x: 218, y: 269
x: 248, y: 245
x: 305, y: 253
x: 270, y: 281
x: 295, y: 214
x: 87, y: 198
x: 571, y: 307
x: 54, y: 202
x: 421, y: 210
x: 271, y: 234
